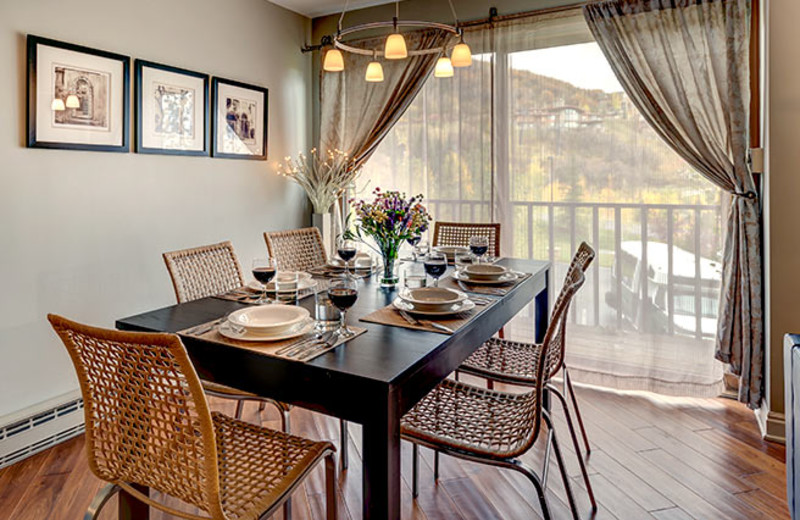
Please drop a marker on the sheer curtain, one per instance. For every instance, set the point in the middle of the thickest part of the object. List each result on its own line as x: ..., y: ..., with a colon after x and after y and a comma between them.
x: 539, y: 136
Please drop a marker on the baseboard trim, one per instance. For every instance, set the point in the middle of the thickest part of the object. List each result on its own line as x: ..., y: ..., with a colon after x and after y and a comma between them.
x: 772, y: 425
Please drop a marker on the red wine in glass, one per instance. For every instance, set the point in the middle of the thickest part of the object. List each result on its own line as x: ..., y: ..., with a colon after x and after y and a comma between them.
x: 346, y: 254
x: 342, y: 297
x: 264, y: 274
x: 479, y: 251
x: 414, y: 240
x: 435, y: 266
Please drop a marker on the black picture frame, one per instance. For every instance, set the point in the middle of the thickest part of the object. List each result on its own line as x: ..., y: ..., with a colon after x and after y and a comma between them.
x: 217, y: 84
x: 139, y: 66
x: 32, y: 109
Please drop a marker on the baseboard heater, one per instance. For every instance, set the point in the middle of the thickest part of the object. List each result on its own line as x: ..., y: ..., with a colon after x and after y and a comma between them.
x: 40, y: 428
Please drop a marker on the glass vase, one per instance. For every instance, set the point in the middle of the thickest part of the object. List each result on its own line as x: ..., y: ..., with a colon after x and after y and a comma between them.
x: 389, y: 276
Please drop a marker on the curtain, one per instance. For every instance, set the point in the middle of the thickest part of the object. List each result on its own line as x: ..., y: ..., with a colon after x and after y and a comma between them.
x: 685, y: 66
x: 355, y: 115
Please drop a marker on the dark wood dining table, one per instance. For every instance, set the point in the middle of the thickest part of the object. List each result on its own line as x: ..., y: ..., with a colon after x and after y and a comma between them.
x: 372, y: 380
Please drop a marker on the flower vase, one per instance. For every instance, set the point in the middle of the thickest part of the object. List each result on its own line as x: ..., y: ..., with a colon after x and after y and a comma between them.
x: 389, y: 278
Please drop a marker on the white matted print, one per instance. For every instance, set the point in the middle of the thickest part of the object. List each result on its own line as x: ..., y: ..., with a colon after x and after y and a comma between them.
x: 240, y: 116
x: 77, y: 97
x: 171, y: 110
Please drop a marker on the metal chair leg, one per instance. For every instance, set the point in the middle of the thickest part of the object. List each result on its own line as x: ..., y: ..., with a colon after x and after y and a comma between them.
x: 285, y: 421
x: 287, y: 509
x: 537, y: 484
x: 414, y: 470
x: 239, y: 408
x: 562, y: 468
x: 100, y: 500
x: 577, y: 410
x: 261, y: 406
x: 435, y: 465
x: 343, y: 441
x: 331, y: 512
x: 571, y: 428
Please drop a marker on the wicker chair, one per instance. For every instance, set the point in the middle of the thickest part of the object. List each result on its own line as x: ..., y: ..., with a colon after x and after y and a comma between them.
x: 148, y: 424
x: 301, y: 250
x: 516, y: 363
x: 204, y: 271
x: 494, y: 427
x: 296, y: 249
x: 459, y: 233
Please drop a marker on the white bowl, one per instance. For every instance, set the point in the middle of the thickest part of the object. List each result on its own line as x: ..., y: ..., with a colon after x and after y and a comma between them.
x: 485, y: 271
x: 269, y: 319
x: 450, y: 251
x: 432, y: 298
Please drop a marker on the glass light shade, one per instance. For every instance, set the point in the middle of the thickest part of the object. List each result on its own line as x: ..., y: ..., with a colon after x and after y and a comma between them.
x: 73, y: 101
x: 374, y: 72
x: 58, y: 105
x: 444, y: 68
x: 395, y: 47
x: 461, y: 55
x: 334, y: 61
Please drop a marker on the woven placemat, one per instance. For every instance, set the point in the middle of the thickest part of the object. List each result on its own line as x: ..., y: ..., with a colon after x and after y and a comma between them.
x: 209, y: 332
x: 391, y: 316
x: 489, y: 290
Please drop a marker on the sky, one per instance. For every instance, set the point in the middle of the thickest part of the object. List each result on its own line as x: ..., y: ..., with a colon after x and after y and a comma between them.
x: 582, y: 65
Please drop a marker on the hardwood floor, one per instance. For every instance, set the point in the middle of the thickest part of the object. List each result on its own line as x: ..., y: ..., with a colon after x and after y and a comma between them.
x: 653, y: 457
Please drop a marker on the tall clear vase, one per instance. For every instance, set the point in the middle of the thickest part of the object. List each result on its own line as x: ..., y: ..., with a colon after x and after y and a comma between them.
x: 389, y: 276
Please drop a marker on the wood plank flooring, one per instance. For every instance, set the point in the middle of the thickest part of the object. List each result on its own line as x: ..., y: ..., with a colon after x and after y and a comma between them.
x: 653, y: 457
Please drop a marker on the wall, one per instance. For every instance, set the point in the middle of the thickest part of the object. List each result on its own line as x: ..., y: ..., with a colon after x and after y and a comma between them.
x: 82, y: 232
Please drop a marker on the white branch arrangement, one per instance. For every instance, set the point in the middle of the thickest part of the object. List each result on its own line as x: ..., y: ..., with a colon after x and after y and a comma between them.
x: 324, y: 177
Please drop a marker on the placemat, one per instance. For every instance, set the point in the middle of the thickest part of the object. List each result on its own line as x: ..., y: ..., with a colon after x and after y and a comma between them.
x: 491, y: 290
x: 324, y: 271
x: 391, y: 316
x: 208, y: 331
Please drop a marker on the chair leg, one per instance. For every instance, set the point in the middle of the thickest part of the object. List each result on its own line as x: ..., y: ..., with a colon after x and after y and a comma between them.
x: 581, y: 462
x: 435, y: 465
x: 285, y: 421
x: 343, y: 440
x: 536, y: 484
x: 456, y: 375
x: 239, y: 408
x: 562, y: 469
x: 287, y: 509
x: 261, y: 406
x: 568, y: 381
x: 490, y: 384
x: 100, y: 500
x: 330, y: 488
x: 414, y: 470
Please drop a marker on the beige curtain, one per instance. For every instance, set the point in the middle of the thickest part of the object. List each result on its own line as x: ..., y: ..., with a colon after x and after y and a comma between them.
x: 356, y: 115
x: 685, y: 65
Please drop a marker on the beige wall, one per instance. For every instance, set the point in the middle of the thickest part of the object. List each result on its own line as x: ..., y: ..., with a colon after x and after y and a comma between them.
x: 81, y: 233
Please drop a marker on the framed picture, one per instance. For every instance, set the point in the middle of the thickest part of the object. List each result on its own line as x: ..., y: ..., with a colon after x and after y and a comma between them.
x: 171, y: 110
x: 78, y: 98
x: 240, y: 120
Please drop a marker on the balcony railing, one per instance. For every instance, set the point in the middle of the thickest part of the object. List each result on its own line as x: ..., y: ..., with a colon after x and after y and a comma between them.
x: 658, y: 267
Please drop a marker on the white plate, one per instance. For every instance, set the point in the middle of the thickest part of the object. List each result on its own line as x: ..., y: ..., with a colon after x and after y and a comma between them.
x: 509, y: 277
x: 304, y: 281
x: 432, y: 298
x: 228, y: 331
x: 268, y: 319
x: 403, y: 305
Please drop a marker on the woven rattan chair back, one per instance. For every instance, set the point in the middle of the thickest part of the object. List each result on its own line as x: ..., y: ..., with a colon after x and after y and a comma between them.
x: 204, y: 271
x: 459, y: 233
x: 580, y: 262
x: 147, y: 418
x: 296, y: 249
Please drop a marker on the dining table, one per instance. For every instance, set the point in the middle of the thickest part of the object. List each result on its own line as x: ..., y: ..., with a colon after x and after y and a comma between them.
x: 372, y: 379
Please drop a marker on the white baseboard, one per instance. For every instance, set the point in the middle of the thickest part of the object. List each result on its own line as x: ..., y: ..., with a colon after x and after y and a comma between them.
x: 771, y: 424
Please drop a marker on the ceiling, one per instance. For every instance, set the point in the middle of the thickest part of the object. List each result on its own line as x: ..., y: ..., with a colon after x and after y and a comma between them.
x: 314, y: 8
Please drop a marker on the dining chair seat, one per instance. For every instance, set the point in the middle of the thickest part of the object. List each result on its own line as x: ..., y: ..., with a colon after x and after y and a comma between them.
x: 504, y: 361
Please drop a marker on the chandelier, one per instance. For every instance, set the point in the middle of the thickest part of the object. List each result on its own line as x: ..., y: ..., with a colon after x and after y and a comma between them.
x: 395, y: 47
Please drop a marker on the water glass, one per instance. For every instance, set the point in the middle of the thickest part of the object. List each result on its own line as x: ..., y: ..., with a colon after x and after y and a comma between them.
x: 421, y: 249
x: 414, y: 277
x: 286, y: 286
x: 326, y: 314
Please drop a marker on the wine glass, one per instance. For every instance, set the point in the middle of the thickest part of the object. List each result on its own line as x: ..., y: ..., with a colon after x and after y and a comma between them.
x: 413, y: 241
x: 479, y: 246
x: 435, y: 266
x: 462, y: 260
x: 421, y: 249
x: 343, y: 293
x: 264, y: 271
x: 346, y: 249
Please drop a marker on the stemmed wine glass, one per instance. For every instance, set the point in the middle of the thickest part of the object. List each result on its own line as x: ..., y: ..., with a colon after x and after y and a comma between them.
x: 346, y: 249
x: 264, y: 271
x: 479, y: 246
x: 343, y: 293
x: 413, y: 241
x: 435, y: 266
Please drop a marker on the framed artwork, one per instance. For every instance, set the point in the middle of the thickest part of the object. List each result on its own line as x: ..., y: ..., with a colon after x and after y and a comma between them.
x: 171, y: 110
x: 78, y: 98
x: 239, y: 120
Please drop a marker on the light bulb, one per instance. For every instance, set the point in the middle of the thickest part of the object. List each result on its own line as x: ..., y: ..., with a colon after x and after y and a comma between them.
x: 395, y: 47
x: 334, y: 61
x: 58, y: 105
x: 444, y: 68
x: 374, y: 72
x: 461, y: 55
x: 73, y: 101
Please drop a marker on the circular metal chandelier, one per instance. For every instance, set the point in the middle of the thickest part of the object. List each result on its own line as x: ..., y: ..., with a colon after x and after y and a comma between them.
x: 395, y: 47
